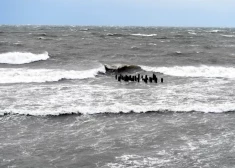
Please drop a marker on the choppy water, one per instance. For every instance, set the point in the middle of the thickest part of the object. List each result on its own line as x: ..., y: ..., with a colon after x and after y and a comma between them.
x: 57, y: 75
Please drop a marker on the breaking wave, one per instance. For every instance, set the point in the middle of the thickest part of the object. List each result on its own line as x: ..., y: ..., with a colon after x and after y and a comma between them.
x: 22, y: 75
x: 43, y: 35
x: 195, y: 71
x: 226, y: 35
x: 84, y: 110
x: 22, y: 57
x: 192, y: 32
x: 120, y: 68
x: 214, y: 31
x: 144, y: 35
x: 115, y: 34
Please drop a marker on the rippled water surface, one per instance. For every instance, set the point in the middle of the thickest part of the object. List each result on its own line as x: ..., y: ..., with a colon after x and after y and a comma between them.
x: 61, y: 106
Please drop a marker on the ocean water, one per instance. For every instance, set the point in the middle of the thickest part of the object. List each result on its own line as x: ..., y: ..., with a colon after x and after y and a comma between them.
x: 61, y: 106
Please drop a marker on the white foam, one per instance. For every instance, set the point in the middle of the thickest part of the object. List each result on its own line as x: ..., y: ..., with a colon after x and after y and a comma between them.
x: 22, y: 75
x: 93, y: 99
x: 226, y: 35
x: 214, y: 31
x: 195, y: 71
x: 134, y: 161
x: 22, y: 57
x: 192, y: 32
x: 178, y: 52
x: 58, y: 106
x: 144, y: 35
x: 201, y: 95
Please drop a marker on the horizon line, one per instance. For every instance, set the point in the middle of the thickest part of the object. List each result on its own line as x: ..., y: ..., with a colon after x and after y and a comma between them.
x: 76, y: 25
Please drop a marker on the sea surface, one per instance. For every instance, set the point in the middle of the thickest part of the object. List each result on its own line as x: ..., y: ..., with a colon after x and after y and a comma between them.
x: 61, y: 106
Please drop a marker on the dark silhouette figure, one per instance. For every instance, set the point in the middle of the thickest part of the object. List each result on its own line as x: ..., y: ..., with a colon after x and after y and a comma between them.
x: 138, y: 78
x: 155, y: 80
x: 119, y: 78
x: 146, y: 79
x: 154, y: 77
x: 132, y: 78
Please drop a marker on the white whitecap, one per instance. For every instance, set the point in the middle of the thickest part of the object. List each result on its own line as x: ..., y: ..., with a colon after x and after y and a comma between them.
x: 226, y: 35
x: 178, y: 52
x: 22, y: 57
x: 23, y: 75
x: 214, y: 31
x: 195, y: 71
x: 193, y: 33
x: 144, y: 35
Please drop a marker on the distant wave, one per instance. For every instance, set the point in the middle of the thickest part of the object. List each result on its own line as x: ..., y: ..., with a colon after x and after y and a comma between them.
x: 18, y: 44
x: 120, y: 68
x: 226, y: 35
x: 43, y: 38
x: 39, y: 34
x: 85, y: 29
x: 144, y: 35
x: 115, y: 34
x: 192, y: 32
x: 22, y: 57
x: 164, y: 37
x: 122, y: 35
x: 214, y: 31
x: 178, y: 52
x: 2, y: 43
x: 22, y: 75
x: 195, y: 71
x: 43, y: 35
x: 5, y: 43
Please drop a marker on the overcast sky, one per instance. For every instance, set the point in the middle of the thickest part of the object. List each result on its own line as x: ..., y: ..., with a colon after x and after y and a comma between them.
x: 209, y: 13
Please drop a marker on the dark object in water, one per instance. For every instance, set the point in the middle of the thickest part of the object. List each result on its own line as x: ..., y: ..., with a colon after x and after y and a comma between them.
x: 138, y: 78
x: 146, y: 79
x: 126, y: 78
x: 155, y: 80
x: 154, y: 76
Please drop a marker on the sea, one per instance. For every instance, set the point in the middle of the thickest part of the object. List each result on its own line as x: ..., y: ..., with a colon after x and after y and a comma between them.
x: 61, y: 105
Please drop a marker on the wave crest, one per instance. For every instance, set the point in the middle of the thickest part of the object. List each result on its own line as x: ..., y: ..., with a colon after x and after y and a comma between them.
x: 195, y: 71
x: 120, y: 68
x: 144, y: 35
x: 105, y: 110
x: 227, y: 35
x: 22, y: 57
x: 22, y: 75
x: 115, y: 34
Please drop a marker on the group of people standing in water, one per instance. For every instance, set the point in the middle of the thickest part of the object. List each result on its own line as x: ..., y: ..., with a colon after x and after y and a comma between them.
x: 145, y: 78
